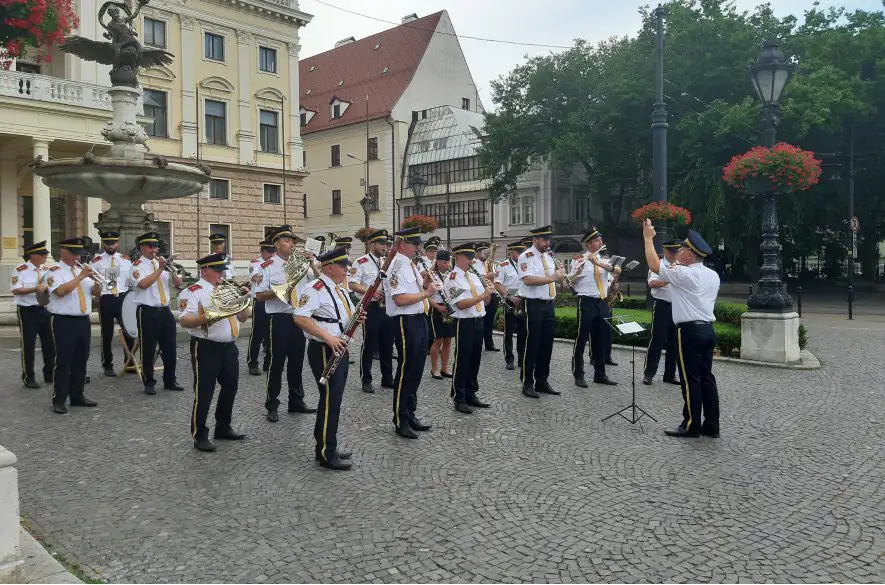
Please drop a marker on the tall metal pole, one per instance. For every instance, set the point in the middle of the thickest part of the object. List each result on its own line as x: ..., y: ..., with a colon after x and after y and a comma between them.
x: 851, y: 173
x: 659, y: 116
x: 366, y: 203
x: 448, y: 212
x: 200, y: 194
x: 283, y: 149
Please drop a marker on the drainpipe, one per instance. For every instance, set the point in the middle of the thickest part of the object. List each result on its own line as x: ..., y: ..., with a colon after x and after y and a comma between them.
x: 395, y: 208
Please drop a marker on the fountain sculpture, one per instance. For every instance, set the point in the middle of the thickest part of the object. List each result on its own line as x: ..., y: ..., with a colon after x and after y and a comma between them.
x: 126, y: 177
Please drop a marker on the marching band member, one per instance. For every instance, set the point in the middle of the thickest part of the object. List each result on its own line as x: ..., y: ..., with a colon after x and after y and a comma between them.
x: 287, y: 341
x: 539, y: 277
x: 110, y: 304
x: 345, y: 242
x: 663, y: 331
x: 156, y: 324
x: 70, y: 302
x: 260, y: 321
x: 406, y: 301
x: 214, y: 356
x: 324, y: 309
x: 442, y: 328
x: 470, y: 304
x: 218, y: 242
x: 591, y: 279
x: 479, y: 263
x: 693, y: 290
x: 33, y: 319
x: 377, y: 331
x: 508, y: 279
x: 431, y: 246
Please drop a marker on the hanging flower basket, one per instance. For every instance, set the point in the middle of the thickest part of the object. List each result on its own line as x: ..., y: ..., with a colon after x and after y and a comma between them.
x: 423, y: 222
x: 782, y: 169
x: 363, y: 233
x: 33, y: 23
x: 659, y: 211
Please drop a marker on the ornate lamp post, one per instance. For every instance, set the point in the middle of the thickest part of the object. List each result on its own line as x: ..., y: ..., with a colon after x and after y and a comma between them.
x: 770, y: 75
x: 417, y: 184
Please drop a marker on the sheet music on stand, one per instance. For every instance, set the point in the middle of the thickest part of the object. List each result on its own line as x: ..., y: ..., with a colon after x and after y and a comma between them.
x: 313, y: 245
x: 626, y: 325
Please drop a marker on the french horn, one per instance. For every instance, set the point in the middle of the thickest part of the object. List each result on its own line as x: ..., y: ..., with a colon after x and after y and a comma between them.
x: 225, y: 300
x: 294, y: 269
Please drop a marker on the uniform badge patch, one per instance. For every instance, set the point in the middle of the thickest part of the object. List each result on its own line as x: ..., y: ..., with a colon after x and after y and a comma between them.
x: 529, y: 254
x: 352, y: 271
x: 267, y: 263
x: 318, y: 285
x: 194, y: 287
x: 96, y: 259
x: 394, y: 282
x: 363, y: 260
x: 50, y: 281
x: 182, y: 304
x: 15, y: 280
x: 303, y: 300
x: 453, y: 276
x: 22, y: 267
x: 524, y: 266
x: 257, y: 278
x: 135, y: 274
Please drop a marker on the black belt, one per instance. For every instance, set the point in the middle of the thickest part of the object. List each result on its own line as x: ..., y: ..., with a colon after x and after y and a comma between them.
x: 212, y: 341
x: 324, y: 319
x: 153, y: 308
x: 470, y: 318
x: 545, y: 301
x: 70, y: 316
x: 684, y: 323
x: 28, y: 307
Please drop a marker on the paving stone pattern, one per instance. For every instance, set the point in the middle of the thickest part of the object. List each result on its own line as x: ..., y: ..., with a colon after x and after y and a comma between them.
x: 529, y: 490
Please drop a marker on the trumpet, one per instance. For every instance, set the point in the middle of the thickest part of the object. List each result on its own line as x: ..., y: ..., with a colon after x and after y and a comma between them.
x: 570, y: 280
x: 94, y: 276
x: 173, y: 267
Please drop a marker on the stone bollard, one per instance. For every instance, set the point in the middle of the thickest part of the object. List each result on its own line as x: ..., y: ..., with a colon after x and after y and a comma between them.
x: 11, y: 563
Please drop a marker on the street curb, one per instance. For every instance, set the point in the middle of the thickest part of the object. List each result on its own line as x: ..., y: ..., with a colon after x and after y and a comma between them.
x: 39, y: 564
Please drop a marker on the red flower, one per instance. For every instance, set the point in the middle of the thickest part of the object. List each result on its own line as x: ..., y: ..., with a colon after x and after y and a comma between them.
x: 424, y: 222
x: 660, y: 211
x: 33, y: 23
x: 788, y: 167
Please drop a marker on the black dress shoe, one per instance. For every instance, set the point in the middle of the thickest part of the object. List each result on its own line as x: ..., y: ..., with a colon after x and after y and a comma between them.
x: 404, y: 430
x: 343, y: 454
x: 529, y: 390
x: 204, y: 445
x: 31, y: 383
x: 272, y: 416
x: 84, y: 402
x: 254, y: 371
x: 647, y: 380
x: 174, y: 386
x: 672, y: 381
x: 387, y: 384
x: 150, y: 390
x: 446, y: 375
x: 87, y: 381
x: 682, y: 433
x: 59, y: 409
x: 604, y: 380
x: 477, y: 403
x: 492, y: 348
x: 335, y: 462
x: 580, y: 382
x: 47, y: 379
x: 544, y: 388
x: 610, y: 362
x: 300, y: 407
x: 509, y: 365
x: 265, y: 368
x: 463, y: 408
x: 709, y: 433
x: 417, y: 425
x: 368, y: 388
x: 110, y: 373
x: 228, y: 434
x: 435, y: 377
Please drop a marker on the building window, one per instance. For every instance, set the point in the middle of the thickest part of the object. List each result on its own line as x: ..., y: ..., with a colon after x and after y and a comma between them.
x: 214, y: 47
x: 273, y: 194
x: 303, y: 119
x: 268, y: 134
x: 372, y: 148
x: 304, y: 159
x: 336, y: 202
x: 473, y: 212
x: 336, y: 155
x: 221, y: 228
x: 27, y: 68
x: 336, y: 111
x: 373, y: 198
x: 304, y: 203
x: 219, y: 189
x: 522, y: 210
x: 459, y: 170
x: 155, y: 33
x: 216, y: 122
x: 155, y: 107
x: 465, y: 104
x: 267, y: 59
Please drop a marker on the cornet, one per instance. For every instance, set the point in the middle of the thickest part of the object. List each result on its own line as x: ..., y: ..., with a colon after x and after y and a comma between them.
x: 94, y: 276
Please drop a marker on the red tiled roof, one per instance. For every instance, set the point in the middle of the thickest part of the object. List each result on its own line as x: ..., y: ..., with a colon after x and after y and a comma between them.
x: 361, y: 67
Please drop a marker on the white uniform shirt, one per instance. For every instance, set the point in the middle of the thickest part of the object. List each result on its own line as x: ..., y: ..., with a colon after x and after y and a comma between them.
x: 229, y: 271
x: 256, y: 275
x: 662, y: 293
x: 319, y: 301
x: 403, y: 279
x: 364, y: 271
x: 223, y: 331
x: 76, y: 303
x: 591, y: 280
x: 534, y: 263
x: 274, y: 275
x: 693, y: 291
x: 26, y: 276
x: 479, y: 265
x: 158, y: 294
x: 508, y: 276
x: 463, y: 280
x: 106, y: 263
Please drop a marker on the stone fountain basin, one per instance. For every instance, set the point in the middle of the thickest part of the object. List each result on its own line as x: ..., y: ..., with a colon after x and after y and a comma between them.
x: 122, y: 181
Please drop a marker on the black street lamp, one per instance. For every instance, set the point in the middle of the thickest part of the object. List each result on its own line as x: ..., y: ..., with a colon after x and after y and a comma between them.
x: 770, y: 75
x: 417, y: 183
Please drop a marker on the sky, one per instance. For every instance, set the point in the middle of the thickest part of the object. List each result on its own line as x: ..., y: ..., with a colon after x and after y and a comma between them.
x: 552, y: 22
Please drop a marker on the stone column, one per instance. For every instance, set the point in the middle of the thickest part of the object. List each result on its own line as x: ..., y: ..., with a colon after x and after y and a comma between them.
x: 188, y: 88
x: 245, y: 135
x: 296, y: 145
x: 9, y: 211
x: 11, y: 563
x: 42, y: 221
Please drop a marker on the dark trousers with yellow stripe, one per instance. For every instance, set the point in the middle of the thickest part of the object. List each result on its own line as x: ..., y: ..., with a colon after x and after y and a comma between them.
x: 212, y: 362
x: 110, y: 309
x: 33, y: 322
x: 259, y: 336
x: 696, y: 341
x: 540, y: 326
x: 377, y: 337
x: 468, y: 356
x: 287, y: 343
x: 156, y: 326
x: 410, y: 335
x: 70, y: 335
x: 331, y: 395
x: 489, y: 322
x: 663, y: 336
x: 513, y: 325
x: 592, y: 325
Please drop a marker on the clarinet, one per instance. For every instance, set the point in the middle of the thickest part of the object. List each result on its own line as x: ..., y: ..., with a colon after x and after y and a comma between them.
x: 488, y: 283
x: 361, y: 309
x: 432, y: 274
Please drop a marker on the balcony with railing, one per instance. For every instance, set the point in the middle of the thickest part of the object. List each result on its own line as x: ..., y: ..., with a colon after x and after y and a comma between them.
x: 54, y: 90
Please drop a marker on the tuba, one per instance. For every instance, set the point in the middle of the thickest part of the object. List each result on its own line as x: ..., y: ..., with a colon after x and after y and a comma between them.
x: 225, y: 300
x: 295, y: 268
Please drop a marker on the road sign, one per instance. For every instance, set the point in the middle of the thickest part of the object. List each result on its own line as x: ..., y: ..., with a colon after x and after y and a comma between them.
x: 855, y: 224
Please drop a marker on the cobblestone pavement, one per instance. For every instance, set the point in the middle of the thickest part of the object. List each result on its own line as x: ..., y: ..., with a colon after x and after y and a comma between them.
x: 529, y: 490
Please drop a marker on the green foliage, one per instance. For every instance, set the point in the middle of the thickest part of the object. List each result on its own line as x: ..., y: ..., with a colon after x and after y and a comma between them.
x: 803, y: 336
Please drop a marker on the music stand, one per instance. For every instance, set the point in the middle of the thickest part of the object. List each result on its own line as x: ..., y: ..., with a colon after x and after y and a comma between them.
x: 626, y: 327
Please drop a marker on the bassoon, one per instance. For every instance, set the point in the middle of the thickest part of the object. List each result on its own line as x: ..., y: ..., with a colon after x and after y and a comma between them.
x: 361, y: 309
